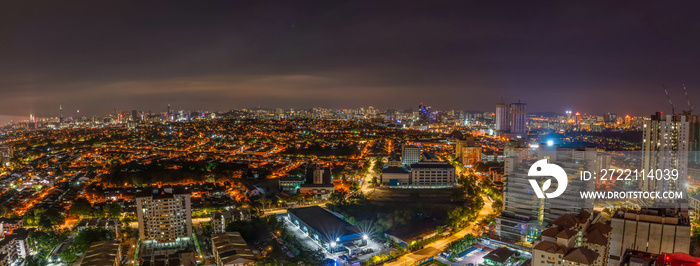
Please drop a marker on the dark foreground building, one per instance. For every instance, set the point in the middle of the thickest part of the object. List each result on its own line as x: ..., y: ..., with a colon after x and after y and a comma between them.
x: 327, y: 229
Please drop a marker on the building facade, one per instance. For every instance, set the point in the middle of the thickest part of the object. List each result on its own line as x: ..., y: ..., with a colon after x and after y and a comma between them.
x: 433, y: 174
x: 164, y: 215
x: 410, y: 155
x: 395, y: 176
x: 219, y: 220
x: 573, y: 238
x: 666, y: 146
x: 653, y: 230
x: 524, y: 215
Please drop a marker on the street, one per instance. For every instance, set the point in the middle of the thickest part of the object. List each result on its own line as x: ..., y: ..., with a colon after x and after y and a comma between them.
x: 433, y: 249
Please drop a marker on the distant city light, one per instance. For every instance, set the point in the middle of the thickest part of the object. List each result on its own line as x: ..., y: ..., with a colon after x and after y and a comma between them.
x: 550, y: 142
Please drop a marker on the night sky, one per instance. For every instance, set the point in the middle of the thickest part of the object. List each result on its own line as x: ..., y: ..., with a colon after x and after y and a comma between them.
x: 96, y: 56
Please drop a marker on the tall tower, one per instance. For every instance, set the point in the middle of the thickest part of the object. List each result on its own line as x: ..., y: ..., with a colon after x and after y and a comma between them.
x: 502, y: 121
x: 518, y: 113
x: 666, y: 146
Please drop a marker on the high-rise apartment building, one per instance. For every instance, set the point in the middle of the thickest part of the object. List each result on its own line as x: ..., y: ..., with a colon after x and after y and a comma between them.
x: 410, y: 154
x: 502, y: 117
x: 511, y: 118
x: 6, y: 153
x: 164, y: 215
x: 524, y: 214
x: 518, y: 120
x: 653, y: 230
x: 666, y: 146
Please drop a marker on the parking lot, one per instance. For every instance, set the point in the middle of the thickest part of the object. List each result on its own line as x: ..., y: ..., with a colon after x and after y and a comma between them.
x: 377, y: 248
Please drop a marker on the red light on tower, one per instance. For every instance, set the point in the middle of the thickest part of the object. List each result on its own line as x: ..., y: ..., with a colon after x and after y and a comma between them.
x: 577, y: 114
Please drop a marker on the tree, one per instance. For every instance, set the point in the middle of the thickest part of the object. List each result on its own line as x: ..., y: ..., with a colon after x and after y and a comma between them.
x: 45, y: 218
x: 44, y: 240
x: 80, y: 207
x: 265, y: 201
x: 84, y: 239
x: 338, y: 197
x: 35, y: 261
x: 113, y: 210
x: 439, y: 229
x: 378, y: 165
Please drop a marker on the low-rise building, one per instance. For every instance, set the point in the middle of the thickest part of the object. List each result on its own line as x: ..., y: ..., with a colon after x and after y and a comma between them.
x: 694, y: 203
x: 219, y: 220
x: 501, y: 256
x: 653, y: 230
x: 318, y: 182
x: 7, y: 225
x: 14, y: 246
x: 580, y: 239
x: 432, y: 174
x: 231, y: 250
x: 103, y: 253
x: 181, y: 259
x: 394, y: 160
x: 111, y: 224
x: 413, y: 233
x: 290, y: 184
x: 328, y: 229
x: 395, y: 176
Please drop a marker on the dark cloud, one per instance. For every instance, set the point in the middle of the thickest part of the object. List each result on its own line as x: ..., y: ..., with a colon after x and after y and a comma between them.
x: 217, y: 55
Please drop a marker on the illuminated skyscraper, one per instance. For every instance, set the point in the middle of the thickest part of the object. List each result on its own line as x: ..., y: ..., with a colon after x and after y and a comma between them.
x: 666, y: 146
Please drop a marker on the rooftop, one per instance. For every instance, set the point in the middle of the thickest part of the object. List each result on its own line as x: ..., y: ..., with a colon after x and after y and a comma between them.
x: 324, y: 221
x: 500, y: 255
x: 102, y: 253
x: 232, y: 248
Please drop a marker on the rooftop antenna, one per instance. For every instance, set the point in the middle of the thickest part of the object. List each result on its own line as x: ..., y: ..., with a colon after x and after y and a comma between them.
x: 673, y: 107
x: 688, y: 99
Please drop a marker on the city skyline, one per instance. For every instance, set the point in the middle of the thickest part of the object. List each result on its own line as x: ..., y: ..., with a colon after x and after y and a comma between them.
x: 461, y: 56
x: 339, y: 133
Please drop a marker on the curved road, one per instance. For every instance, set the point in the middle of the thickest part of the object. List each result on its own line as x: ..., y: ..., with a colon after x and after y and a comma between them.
x: 433, y: 249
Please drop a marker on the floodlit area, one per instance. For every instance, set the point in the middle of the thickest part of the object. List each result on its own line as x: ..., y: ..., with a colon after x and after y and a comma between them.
x: 342, y: 257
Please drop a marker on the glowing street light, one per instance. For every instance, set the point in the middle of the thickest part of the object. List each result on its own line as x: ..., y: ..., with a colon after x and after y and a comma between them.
x: 365, y: 237
x: 333, y: 244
